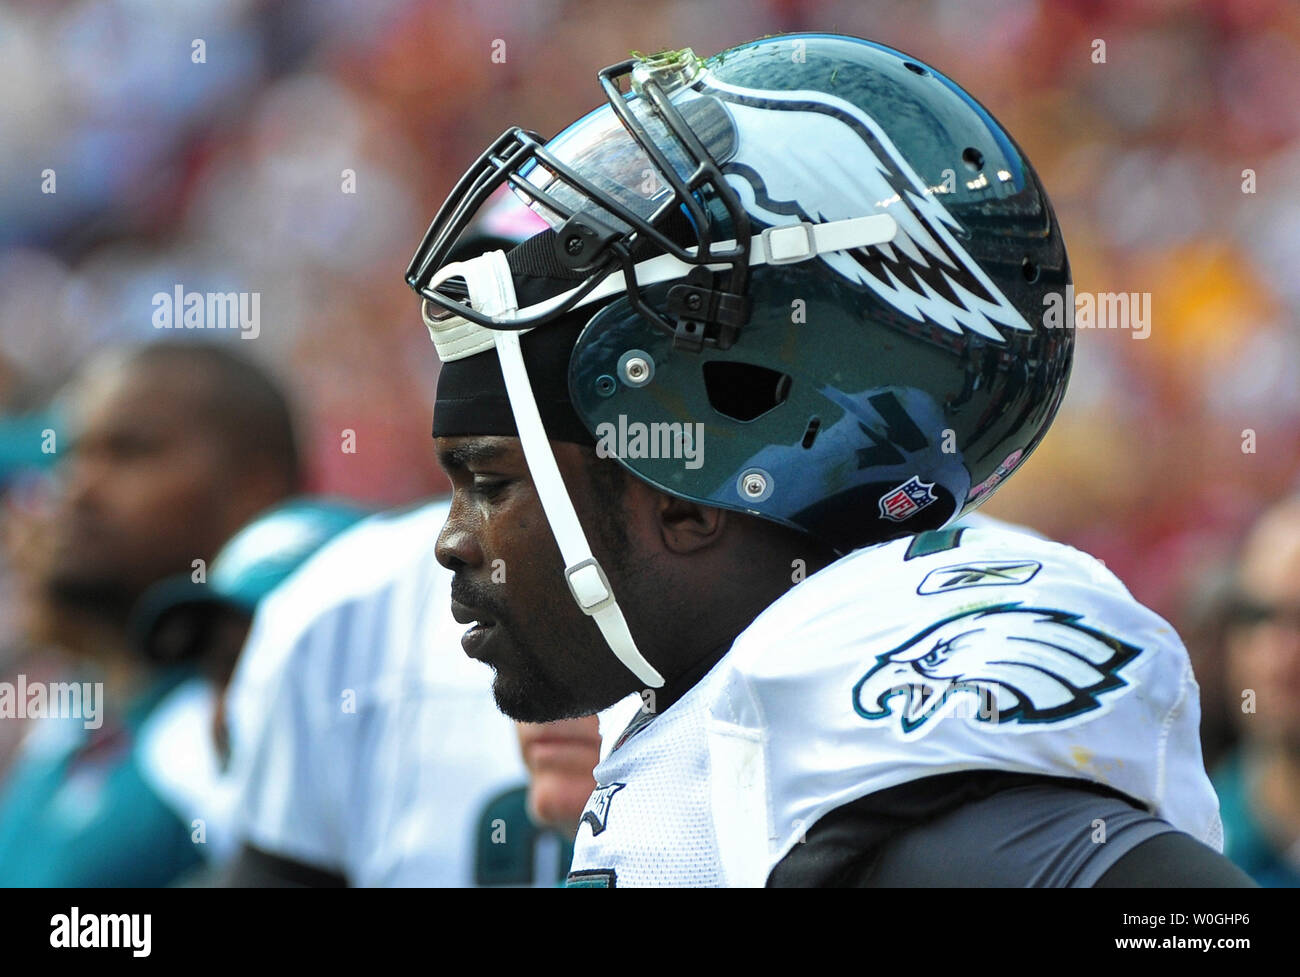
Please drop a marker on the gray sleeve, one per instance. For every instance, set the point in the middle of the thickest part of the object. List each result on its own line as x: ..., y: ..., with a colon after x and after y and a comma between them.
x: 1037, y: 835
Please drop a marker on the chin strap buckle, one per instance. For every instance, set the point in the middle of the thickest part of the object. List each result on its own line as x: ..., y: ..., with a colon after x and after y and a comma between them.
x: 589, y: 586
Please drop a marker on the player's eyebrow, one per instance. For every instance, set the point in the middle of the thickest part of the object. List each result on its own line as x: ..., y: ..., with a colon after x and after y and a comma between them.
x: 468, y: 453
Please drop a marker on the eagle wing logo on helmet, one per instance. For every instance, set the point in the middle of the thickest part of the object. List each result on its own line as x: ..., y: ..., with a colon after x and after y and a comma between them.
x: 847, y: 167
x: 1007, y: 664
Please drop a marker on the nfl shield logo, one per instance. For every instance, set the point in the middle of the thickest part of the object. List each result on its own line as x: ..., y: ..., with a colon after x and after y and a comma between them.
x: 906, y: 500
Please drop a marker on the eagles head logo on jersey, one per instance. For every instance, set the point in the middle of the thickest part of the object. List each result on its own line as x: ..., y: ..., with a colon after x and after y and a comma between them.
x: 1003, y: 665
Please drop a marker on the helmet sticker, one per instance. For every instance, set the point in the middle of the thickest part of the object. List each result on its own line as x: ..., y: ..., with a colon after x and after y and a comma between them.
x: 847, y: 167
x: 906, y: 500
x: 1002, y: 471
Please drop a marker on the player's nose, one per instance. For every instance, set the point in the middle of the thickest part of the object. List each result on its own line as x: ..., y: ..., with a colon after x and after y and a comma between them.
x: 457, y: 547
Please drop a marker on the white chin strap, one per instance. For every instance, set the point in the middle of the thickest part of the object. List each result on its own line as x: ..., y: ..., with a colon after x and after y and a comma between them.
x: 491, y: 287
x: 586, y: 579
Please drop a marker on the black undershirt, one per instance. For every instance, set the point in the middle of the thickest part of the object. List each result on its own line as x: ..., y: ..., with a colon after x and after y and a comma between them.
x: 254, y: 868
x: 996, y: 829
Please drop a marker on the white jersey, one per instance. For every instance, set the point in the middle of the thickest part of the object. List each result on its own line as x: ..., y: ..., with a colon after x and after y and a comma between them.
x: 178, y: 759
x: 365, y: 741
x: 970, y: 649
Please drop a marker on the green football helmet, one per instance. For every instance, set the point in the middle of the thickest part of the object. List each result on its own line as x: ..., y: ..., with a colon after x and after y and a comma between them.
x: 818, y: 276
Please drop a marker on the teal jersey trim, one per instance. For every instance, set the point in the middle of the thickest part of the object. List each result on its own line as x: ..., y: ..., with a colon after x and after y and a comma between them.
x: 510, y: 850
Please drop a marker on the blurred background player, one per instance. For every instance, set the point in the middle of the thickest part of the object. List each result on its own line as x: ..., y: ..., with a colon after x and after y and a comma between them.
x: 544, y: 814
x: 559, y: 757
x: 1259, y: 783
x: 368, y: 748
x: 170, y: 449
x: 184, y: 748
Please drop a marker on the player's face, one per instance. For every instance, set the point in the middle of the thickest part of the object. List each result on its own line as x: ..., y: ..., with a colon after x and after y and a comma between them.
x: 1264, y: 653
x: 560, y: 757
x: 550, y: 659
x: 142, y: 485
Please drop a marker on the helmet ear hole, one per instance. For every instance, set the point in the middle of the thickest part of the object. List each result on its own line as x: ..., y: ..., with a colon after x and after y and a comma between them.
x: 744, y: 391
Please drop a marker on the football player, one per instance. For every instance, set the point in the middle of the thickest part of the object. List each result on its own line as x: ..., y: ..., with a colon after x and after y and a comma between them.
x: 171, y: 447
x: 799, y: 308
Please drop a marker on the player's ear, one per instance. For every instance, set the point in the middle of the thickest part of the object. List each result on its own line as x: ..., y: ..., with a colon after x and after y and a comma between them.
x: 687, y: 527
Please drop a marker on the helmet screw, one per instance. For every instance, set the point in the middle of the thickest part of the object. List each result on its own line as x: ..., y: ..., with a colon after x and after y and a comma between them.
x: 573, y: 245
x: 754, y: 485
x: 636, y: 369
x: 694, y: 302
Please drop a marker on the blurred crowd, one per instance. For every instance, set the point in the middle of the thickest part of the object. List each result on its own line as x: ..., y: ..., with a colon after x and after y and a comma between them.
x: 296, y: 149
